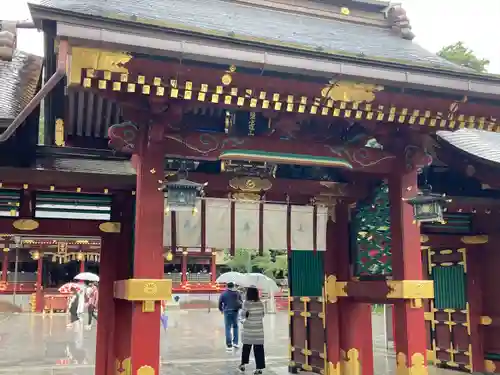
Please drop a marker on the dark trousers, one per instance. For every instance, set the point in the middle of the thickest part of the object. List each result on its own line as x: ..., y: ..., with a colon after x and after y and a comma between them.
x: 258, y: 352
x: 91, y: 313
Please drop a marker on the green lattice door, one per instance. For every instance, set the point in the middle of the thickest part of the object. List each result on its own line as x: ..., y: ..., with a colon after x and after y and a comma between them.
x: 306, y: 308
x: 448, y: 318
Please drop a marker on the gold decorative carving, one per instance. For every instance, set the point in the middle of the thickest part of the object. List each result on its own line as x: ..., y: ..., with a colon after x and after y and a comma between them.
x: 146, y: 290
x: 350, y: 91
x: 95, y: 59
x: 431, y: 356
x: 424, y: 238
x: 350, y: 363
x: 417, y: 366
x: 59, y: 133
x: 489, y: 366
x: 110, y: 227
x: 146, y: 370
x: 333, y: 369
x: 334, y: 289
x: 485, y: 320
x: 410, y: 289
x: 25, y: 224
x: 246, y: 196
x: 335, y: 188
x: 475, y: 240
x: 250, y: 184
x: 123, y: 367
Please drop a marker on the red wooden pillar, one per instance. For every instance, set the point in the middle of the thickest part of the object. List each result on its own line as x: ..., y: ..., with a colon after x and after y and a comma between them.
x: 355, y: 324
x: 213, y: 268
x: 39, y: 286
x: 5, y: 266
x: 108, y: 312
x: 123, y: 308
x: 332, y: 308
x: 148, y: 250
x: 184, y: 266
x: 410, y: 332
x: 82, y: 266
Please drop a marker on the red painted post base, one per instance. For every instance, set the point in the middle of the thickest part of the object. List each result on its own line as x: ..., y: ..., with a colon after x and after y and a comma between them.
x: 410, y: 339
x: 356, y: 346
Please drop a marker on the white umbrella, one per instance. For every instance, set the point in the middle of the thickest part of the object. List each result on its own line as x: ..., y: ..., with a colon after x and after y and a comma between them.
x: 87, y: 276
x: 261, y: 282
x: 231, y: 277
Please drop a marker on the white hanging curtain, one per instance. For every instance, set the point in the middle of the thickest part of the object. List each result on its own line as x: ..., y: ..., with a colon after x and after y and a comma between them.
x: 189, y: 227
x: 275, y: 217
x: 167, y: 230
x: 218, y: 223
x: 322, y: 219
x: 301, y: 221
x: 246, y: 225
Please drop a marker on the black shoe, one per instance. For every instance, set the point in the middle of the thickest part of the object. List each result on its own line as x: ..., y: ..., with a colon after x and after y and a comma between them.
x: 229, y: 348
x: 241, y: 368
x: 257, y: 372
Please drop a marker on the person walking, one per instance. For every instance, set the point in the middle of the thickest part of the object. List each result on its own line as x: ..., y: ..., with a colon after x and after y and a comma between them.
x: 74, y: 307
x: 230, y: 305
x: 93, y: 299
x: 253, y: 331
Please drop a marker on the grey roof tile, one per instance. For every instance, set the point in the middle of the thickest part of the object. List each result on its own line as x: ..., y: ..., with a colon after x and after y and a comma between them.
x: 18, y: 83
x: 272, y: 27
x: 479, y: 143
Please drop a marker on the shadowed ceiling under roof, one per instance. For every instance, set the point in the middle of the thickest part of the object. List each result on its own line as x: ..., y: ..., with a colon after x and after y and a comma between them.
x: 479, y: 143
x: 18, y: 84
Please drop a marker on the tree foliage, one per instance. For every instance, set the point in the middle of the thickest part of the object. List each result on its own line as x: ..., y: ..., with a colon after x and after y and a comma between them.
x: 270, y: 263
x: 459, y: 54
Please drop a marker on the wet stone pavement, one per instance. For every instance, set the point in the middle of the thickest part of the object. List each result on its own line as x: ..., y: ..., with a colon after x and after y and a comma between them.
x: 193, y: 344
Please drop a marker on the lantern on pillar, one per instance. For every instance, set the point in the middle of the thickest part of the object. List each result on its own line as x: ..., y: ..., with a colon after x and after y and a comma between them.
x: 427, y: 206
x: 182, y: 195
x: 169, y: 256
x: 35, y: 255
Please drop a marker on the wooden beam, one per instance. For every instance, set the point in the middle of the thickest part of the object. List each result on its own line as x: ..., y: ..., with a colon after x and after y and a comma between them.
x: 220, y: 183
x: 212, y: 76
x: 204, y: 146
x: 64, y: 180
x: 54, y: 227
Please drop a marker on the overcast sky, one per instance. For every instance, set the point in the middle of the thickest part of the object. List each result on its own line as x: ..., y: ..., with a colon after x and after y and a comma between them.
x: 436, y: 23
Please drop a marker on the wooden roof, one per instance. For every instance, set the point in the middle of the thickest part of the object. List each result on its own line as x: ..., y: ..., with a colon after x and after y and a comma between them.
x: 18, y: 84
x: 264, y: 25
x: 477, y: 143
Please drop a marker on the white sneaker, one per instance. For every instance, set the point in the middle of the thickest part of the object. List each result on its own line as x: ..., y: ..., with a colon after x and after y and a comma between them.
x: 236, y: 346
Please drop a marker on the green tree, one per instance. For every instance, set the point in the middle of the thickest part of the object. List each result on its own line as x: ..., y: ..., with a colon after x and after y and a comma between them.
x: 459, y: 54
x: 269, y: 263
x: 241, y: 261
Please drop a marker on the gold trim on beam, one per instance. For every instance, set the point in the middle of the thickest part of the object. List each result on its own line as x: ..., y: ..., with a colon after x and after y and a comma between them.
x: 110, y: 227
x: 485, y: 320
x: 410, y: 289
x: 474, y: 240
x: 92, y: 59
x: 334, y: 288
x: 255, y: 100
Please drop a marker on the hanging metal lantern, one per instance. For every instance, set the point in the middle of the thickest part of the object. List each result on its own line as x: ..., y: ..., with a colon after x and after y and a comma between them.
x: 428, y: 207
x: 182, y: 195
